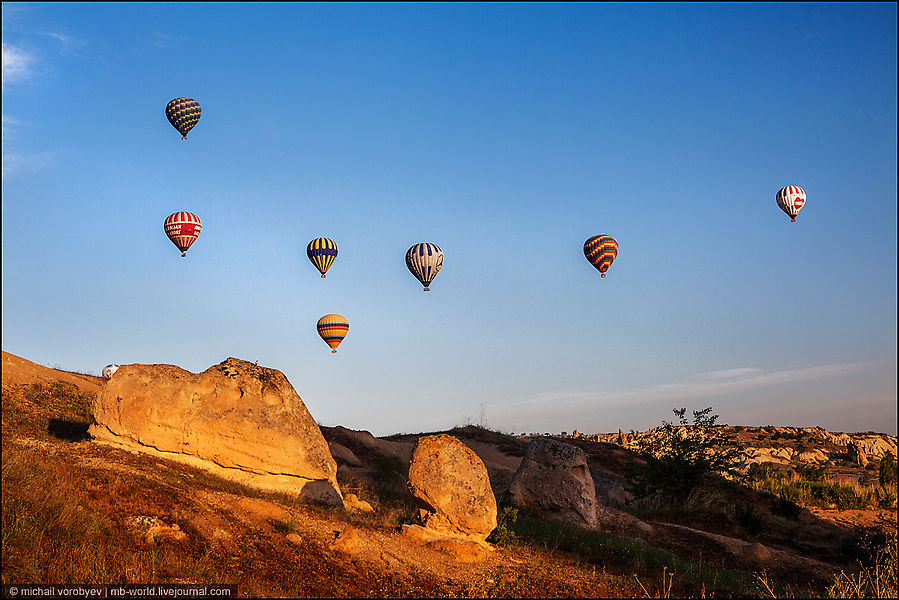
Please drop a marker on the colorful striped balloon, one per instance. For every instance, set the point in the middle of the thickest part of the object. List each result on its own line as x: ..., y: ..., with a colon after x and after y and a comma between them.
x: 183, y: 114
x: 322, y: 252
x: 424, y: 260
x: 333, y: 328
x: 183, y: 228
x: 600, y: 251
x: 791, y: 199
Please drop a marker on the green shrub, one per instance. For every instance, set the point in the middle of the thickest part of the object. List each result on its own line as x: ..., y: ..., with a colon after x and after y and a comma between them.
x: 810, y: 472
x: 504, y: 534
x: 888, y: 470
x: 681, y: 458
x: 785, y: 505
x: 749, y: 519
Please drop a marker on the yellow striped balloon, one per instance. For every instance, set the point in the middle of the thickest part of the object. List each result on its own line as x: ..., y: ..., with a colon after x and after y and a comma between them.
x: 322, y: 252
x: 333, y: 328
x: 600, y: 251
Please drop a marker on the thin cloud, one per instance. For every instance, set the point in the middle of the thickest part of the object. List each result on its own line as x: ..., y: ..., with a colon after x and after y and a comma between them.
x: 17, y: 162
x: 70, y: 45
x: 166, y: 40
x: 17, y: 64
x: 713, y: 384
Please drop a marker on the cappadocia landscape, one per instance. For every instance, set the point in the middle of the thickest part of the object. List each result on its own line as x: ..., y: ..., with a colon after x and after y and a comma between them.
x: 450, y: 300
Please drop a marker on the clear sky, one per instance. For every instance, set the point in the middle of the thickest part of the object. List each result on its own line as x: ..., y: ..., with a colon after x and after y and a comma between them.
x: 505, y: 133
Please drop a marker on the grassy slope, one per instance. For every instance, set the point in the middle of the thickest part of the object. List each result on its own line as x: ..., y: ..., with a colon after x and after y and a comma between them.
x: 67, y: 502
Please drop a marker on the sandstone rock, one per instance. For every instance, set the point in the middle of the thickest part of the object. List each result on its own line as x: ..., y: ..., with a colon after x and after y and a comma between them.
x: 756, y: 552
x: 354, y: 503
x: 554, y: 480
x: 343, y: 455
x: 612, y: 518
x: 451, y: 486
x: 401, y: 450
x: 609, y: 492
x: 294, y: 539
x: 237, y: 420
x: 857, y: 454
x: 154, y: 529
x: 349, y: 541
x: 461, y: 550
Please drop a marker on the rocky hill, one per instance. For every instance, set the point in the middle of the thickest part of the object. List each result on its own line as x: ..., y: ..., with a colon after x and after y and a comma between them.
x: 781, y: 445
x: 79, y: 511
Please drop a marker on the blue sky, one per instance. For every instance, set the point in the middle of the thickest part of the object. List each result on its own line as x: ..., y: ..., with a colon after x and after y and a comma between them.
x: 507, y: 134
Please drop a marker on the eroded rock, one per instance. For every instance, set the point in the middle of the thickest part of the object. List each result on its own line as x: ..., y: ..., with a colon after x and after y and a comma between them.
x: 451, y: 486
x: 237, y: 420
x: 554, y: 480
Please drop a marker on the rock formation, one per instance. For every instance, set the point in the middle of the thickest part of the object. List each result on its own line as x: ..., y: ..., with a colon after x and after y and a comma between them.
x: 452, y: 489
x: 235, y: 419
x: 554, y: 480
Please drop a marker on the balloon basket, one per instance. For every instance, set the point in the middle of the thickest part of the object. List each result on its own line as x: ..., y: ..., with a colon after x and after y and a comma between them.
x: 333, y: 351
x: 602, y: 274
x: 183, y: 254
x: 183, y: 137
x: 323, y: 276
x: 427, y: 289
x: 792, y: 220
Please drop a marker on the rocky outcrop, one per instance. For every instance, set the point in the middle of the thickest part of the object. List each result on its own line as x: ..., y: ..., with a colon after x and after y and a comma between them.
x: 554, y: 480
x: 609, y: 492
x: 451, y: 486
x: 237, y: 420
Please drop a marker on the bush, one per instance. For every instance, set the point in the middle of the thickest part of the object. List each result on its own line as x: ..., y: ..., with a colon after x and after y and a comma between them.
x: 809, y: 472
x: 681, y: 458
x: 749, y: 519
x: 504, y: 534
x: 888, y: 470
x: 785, y: 506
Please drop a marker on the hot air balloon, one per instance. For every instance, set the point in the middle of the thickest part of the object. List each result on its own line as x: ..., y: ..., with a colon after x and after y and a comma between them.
x: 108, y: 370
x: 791, y: 199
x: 424, y: 261
x: 600, y: 251
x: 322, y: 252
x: 333, y: 328
x: 183, y: 114
x: 183, y: 229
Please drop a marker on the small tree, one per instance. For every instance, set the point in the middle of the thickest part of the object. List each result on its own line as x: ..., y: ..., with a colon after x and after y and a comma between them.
x: 679, y: 458
x: 888, y: 470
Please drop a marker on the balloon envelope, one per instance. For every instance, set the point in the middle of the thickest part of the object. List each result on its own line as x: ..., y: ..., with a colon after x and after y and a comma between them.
x: 424, y: 260
x: 183, y: 228
x: 601, y: 251
x: 322, y: 252
x: 333, y: 328
x: 108, y: 370
x: 791, y: 199
x: 183, y: 114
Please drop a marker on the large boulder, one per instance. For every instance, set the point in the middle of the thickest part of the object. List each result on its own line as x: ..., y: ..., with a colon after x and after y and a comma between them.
x: 451, y: 486
x: 237, y: 420
x: 554, y: 480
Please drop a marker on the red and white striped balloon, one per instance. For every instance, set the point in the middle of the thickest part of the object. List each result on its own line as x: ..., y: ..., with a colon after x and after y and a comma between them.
x: 791, y: 199
x: 183, y: 229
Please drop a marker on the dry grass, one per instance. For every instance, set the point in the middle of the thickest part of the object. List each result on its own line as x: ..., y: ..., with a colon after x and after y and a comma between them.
x: 67, y: 505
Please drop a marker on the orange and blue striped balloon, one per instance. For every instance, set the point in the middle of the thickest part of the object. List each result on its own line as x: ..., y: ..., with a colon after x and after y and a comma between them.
x: 322, y: 252
x: 600, y: 251
x: 183, y: 114
x: 333, y: 328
